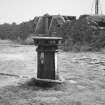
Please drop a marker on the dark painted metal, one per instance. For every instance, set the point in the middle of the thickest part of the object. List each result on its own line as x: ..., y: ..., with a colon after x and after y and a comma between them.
x: 46, y: 49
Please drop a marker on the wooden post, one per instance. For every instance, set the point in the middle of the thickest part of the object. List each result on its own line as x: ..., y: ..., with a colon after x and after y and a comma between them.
x: 96, y: 7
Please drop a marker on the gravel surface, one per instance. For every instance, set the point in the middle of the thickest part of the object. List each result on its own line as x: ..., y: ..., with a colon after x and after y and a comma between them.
x: 84, y: 75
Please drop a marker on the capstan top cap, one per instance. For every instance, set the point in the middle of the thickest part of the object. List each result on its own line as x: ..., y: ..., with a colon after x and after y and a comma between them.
x: 48, y: 41
x: 47, y: 24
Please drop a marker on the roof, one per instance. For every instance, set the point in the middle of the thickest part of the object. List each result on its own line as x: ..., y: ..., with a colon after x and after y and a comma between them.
x: 93, y: 17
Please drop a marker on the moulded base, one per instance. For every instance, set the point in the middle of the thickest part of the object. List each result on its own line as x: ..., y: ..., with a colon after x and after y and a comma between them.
x: 59, y: 80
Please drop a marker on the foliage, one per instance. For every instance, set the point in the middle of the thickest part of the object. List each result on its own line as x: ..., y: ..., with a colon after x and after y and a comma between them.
x: 79, y: 35
x: 82, y: 36
x: 16, y: 32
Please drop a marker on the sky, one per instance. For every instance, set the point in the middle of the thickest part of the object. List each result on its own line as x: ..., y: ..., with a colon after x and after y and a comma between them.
x: 24, y: 10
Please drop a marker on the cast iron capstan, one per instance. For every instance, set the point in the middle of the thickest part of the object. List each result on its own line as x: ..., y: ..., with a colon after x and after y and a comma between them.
x: 46, y: 50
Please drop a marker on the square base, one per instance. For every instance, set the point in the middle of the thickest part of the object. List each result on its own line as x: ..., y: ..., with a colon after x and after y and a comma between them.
x: 60, y: 80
